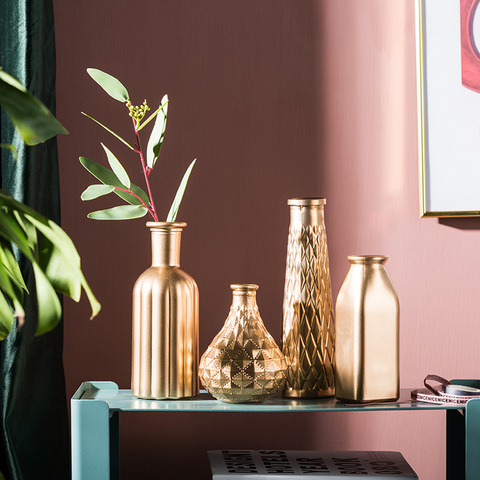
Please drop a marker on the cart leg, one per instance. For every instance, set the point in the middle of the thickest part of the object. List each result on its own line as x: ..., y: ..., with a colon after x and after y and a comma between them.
x: 90, y: 440
x: 455, y: 445
x: 472, y: 439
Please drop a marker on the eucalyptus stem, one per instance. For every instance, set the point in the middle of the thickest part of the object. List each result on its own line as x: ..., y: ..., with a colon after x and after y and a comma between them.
x: 152, y: 211
x: 136, y: 196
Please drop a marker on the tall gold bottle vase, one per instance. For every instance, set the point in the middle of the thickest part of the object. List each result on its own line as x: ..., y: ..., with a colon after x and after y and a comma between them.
x: 367, y: 324
x: 165, y: 322
x: 308, y: 323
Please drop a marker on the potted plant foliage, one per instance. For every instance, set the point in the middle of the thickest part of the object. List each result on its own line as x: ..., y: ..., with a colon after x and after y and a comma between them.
x: 52, y: 254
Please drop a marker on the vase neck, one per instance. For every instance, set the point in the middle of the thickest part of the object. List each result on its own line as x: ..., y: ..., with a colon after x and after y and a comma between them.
x: 166, y: 240
x: 306, y: 211
x: 244, y: 295
x: 368, y: 260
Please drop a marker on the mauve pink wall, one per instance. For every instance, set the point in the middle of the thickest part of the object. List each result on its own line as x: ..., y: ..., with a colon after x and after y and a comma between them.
x: 276, y: 98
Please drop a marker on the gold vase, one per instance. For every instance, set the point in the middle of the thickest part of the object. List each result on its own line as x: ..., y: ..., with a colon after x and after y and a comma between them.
x: 308, y: 323
x: 165, y: 322
x: 367, y: 323
x: 243, y: 364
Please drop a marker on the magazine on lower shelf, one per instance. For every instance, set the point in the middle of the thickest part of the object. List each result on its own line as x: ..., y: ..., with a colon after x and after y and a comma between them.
x: 301, y: 464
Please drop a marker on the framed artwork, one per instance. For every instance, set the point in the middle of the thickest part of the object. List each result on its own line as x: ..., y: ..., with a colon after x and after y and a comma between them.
x: 448, y: 73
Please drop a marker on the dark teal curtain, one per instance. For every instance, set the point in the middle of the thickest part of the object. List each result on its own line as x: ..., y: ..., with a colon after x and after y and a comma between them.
x: 34, y: 442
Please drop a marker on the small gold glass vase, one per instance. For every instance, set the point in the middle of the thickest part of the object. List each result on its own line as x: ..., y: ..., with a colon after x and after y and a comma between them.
x: 367, y: 325
x: 165, y: 322
x: 308, y: 323
x: 243, y: 364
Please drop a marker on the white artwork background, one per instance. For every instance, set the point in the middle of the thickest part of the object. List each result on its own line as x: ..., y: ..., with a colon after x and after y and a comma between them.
x: 452, y: 114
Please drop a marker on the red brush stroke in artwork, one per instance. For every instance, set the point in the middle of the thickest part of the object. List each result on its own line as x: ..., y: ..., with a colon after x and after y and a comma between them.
x: 470, y: 54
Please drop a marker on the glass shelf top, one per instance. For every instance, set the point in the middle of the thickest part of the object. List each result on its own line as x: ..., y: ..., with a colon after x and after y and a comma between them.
x: 123, y: 400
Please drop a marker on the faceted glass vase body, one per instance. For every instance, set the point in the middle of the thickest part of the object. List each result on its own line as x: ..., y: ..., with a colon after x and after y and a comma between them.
x: 308, y: 323
x: 367, y: 325
x: 243, y: 364
x: 165, y: 322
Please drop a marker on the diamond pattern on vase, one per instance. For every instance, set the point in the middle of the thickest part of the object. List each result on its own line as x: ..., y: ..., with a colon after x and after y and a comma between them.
x: 243, y: 363
x: 308, y: 322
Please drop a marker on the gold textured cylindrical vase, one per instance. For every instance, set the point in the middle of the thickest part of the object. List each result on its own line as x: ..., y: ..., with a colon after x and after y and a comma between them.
x: 308, y: 321
x: 243, y: 364
x: 367, y: 331
x: 165, y: 322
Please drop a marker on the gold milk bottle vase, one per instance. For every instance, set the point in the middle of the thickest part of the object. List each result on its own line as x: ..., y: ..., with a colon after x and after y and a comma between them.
x: 308, y: 323
x: 165, y: 322
x: 367, y: 325
x: 243, y: 364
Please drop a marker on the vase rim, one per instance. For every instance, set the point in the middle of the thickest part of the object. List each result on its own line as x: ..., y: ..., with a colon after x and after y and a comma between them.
x: 367, y: 259
x: 244, y: 287
x: 307, y: 201
x: 165, y: 225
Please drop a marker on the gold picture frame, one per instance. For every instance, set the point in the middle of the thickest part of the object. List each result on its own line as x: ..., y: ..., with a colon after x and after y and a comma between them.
x: 448, y: 123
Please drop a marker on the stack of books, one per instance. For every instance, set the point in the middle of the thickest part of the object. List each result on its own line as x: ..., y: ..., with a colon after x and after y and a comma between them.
x: 301, y: 464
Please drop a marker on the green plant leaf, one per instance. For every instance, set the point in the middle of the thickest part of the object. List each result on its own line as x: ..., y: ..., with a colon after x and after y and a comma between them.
x: 10, y: 147
x: 107, y: 177
x: 60, y: 262
x: 172, y: 214
x: 95, y: 191
x: 122, y: 212
x: 58, y: 237
x: 10, y: 230
x: 110, y: 131
x: 6, y: 317
x: 5, y: 282
x: 30, y: 116
x: 117, y: 167
x: 61, y: 273
x: 11, y: 290
x: 158, y: 133
x: 8, y: 260
x: 110, y: 84
x: 49, y: 308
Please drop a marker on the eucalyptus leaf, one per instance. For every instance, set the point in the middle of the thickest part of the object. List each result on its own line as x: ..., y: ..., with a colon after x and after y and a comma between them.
x: 117, y: 167
x: 110, y: 131
x: 49, y: 308
x: 172, y: 214
x: 95, y: 191
x: 31, y: 117
x: 107, y: 177
x: 154, y: 114
x: 158, y: 134
x: 110, y: 84
x: 122, y: 212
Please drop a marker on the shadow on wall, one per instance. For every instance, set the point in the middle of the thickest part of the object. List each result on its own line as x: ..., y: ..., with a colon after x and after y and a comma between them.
x: 244, y: 99
x: 462, y: 223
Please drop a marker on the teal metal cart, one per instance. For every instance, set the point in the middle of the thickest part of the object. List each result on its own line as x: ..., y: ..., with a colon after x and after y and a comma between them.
x: 96, y: 407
